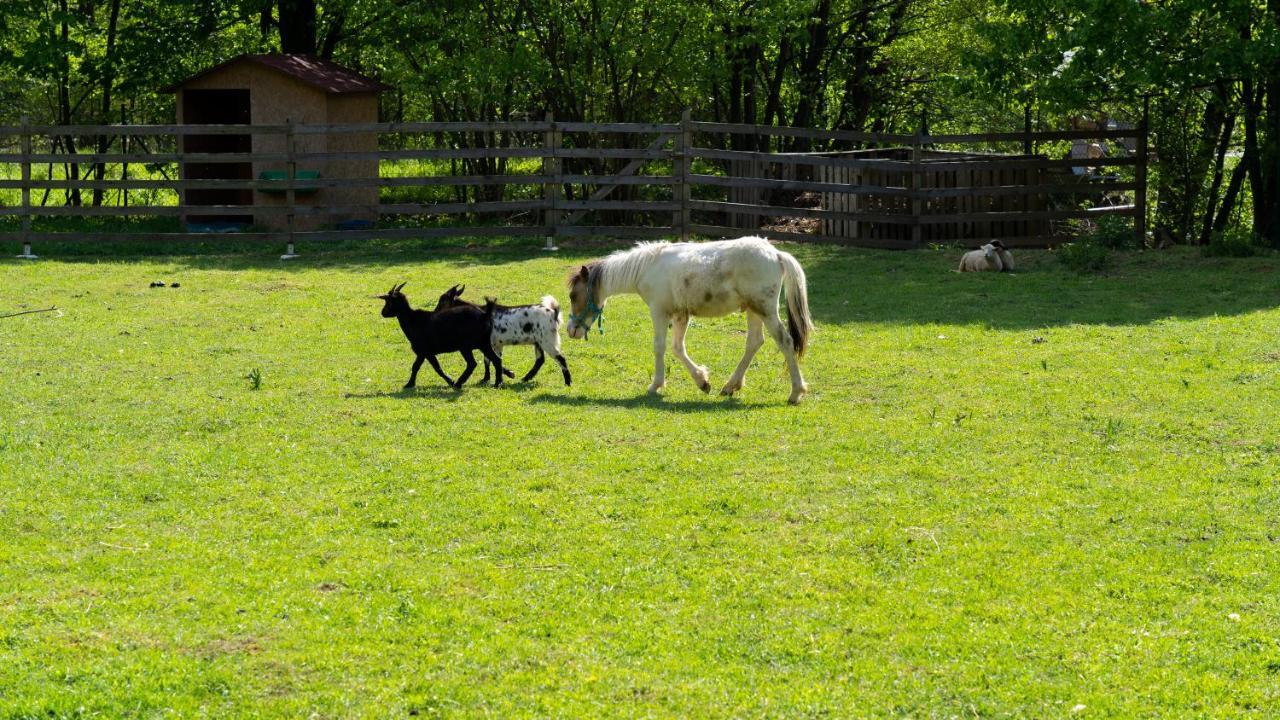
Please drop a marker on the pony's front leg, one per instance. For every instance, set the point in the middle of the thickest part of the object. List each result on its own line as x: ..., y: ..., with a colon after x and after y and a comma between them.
x: 660, y: 321
x: 699, y: 374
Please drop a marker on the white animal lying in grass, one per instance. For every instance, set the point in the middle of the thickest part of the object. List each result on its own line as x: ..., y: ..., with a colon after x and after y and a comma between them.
x: 992, y: 257
x: 1006, y: 257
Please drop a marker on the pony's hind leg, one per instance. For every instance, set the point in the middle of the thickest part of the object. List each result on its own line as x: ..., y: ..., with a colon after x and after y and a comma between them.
x: 755, y: 339
x: 679, y: 325
x: 780, y: 336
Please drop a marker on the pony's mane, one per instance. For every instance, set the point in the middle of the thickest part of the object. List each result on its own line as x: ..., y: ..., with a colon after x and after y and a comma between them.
x: 623, y: 267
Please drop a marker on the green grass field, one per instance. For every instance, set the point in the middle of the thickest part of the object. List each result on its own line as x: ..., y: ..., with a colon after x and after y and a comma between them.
x: 1043, y: 495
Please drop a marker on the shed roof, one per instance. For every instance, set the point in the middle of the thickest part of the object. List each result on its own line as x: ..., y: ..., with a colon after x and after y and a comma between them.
x: 321, y: 74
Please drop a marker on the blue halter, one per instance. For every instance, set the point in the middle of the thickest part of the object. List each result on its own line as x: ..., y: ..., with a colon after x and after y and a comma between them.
x: 581, y: 321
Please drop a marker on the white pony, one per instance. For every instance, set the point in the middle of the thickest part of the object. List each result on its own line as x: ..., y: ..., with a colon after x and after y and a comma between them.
x: 711, y: 279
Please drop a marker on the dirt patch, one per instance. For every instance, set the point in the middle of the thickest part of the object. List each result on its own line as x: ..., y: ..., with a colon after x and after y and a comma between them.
x: 793, y: 225
x: 277, y: 286
x: 240, y: 645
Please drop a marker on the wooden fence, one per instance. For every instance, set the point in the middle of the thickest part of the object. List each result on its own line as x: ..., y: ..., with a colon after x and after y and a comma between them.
x: 564, y: 179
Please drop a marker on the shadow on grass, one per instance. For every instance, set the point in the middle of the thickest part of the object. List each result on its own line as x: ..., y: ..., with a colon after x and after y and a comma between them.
x: 653, y: 402
x: 439, y: 392
x: 921, y: 287
x: 447, y: 393
x: 233, y: 254
x: 846, y: 285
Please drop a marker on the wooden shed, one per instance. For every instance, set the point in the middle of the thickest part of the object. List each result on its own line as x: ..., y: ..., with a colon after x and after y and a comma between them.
x: 276, y: 90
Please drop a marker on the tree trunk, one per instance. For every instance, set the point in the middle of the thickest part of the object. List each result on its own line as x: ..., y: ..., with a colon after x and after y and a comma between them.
x: 108, y: 81
x: 1252, y: 151
x: 64, y: 105
x: 1266, y: 198
x: 1206, y: 228
x: 1216, y: 117
x: 297, y: 21
x: 810, y: 73
x: 1229, y: 200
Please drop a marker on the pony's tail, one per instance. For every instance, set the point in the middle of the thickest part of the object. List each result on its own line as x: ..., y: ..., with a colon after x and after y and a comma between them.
x: 799, y: 324
x: 550, y: 303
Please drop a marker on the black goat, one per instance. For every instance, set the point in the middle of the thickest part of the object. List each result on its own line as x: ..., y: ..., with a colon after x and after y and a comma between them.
x: 450, y: 299
x: 537, y: 325
x: 461, y: 329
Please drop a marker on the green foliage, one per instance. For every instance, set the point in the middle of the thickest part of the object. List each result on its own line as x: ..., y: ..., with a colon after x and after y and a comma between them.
x: 1091, y: 251
x: 1084, y: 256
x: 1234, y: 242
x: 1114, y: 232
x: 848, y: 64
x: 255, y: 379
x: 330, y: 546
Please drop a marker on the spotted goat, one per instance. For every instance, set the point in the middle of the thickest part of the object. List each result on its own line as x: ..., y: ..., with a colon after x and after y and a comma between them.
x: 537, y: 325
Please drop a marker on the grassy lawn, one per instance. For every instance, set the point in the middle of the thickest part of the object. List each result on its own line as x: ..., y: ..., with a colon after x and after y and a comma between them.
x: 1040, y: 495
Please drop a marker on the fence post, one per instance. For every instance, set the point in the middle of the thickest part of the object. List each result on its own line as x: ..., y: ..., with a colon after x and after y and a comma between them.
x: 917, y: 203
x: 26, y: 190
x: 682, y: 171
x: 1140, y: 177
x: 552, y: 183
x: 290, y: 195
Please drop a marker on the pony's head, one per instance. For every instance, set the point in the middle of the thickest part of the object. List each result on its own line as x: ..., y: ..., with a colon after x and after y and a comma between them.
x: 394, y: 302
x: 585, y: 306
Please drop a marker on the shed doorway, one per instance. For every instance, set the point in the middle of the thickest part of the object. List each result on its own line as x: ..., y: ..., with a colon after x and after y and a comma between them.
x: 217, y: 107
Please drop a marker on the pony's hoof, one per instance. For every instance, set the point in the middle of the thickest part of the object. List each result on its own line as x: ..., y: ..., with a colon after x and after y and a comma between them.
x: 705, y: 386
x: 730, y: 388
x: 655, y: 390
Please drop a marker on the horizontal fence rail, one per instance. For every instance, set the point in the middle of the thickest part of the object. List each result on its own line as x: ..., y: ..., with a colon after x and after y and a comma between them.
x: 295, y: 182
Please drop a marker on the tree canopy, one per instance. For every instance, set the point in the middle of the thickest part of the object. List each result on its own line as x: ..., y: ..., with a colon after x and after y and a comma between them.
x: 1211, y: 69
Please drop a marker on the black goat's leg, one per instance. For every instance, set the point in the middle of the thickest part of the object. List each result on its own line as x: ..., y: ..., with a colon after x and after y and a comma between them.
x: 471, y: 367
x: 538, y: 358
x: 564, y: 369
x: 436, y: 364
x: 497, y: 364
x: 485, y: 380
x: 413, y: 376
